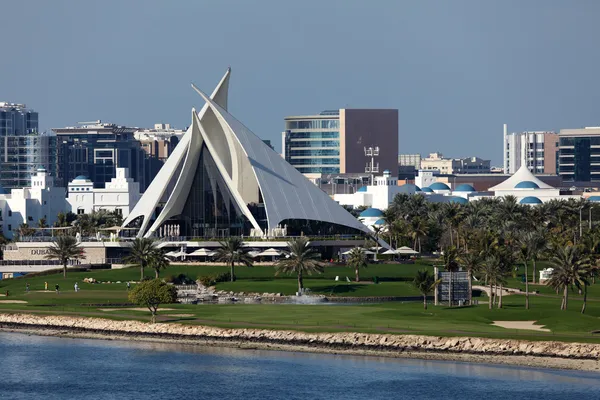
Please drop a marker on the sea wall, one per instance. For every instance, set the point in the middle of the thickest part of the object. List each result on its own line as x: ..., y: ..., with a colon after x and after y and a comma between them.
x: 358, y: 341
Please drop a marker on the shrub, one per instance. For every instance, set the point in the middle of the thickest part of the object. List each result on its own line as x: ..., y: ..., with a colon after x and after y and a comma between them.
x: 211, y: 280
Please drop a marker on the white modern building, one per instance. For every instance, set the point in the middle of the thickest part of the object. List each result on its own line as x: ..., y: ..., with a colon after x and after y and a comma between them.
x: 30, y: 204
x: 121, y: 194
x: 379, y: 196
x: 223, y: 180
x: 537, y: 149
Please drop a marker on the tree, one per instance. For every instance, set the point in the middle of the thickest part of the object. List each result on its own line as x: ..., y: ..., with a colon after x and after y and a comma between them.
x: 141, y: 253
x: 418, y: 230
x: 425, y: 284
x: 357, y: 259
x: 231, y: 252
x: 158, y: 261
x: 377, y: 230
x: 491, y: 268
x: 472, y: 262
x: 450, y: 259
x: 25, y: 230
x: 65, y: 248
x: 152, y: 294
x: 42, y: 224
x: 571, y: 267
x: 301, y: 260
x: 525, y: 254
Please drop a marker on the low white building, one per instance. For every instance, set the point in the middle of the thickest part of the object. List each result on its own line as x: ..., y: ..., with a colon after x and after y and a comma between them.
x: 30, y: 204
x: 378, y: 196
x: 121, y: 194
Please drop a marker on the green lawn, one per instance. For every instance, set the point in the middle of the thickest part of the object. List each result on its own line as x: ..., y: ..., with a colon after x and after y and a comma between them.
x: 396, y: 317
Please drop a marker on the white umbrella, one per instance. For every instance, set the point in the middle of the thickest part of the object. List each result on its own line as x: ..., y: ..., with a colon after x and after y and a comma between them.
x: 253, y: 253
x: 390, y: 251
x: 270, y: 253
x: 176, y: 254
x: 202, y: 253
x: 406, y: 250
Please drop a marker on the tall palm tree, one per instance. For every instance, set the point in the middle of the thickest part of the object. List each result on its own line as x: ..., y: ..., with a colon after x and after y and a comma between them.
x: 357, y: 259
x: 425, y: 284
x: 418, y: 229
x: 472, y: 262
x: 232, y: 252
x: 525, y: 254
x: 301, y: 260
x: 491, y: 268
x: 141, y: 253
x: 571, y: 267
x: 65, y: 248
x: 450, y: 260
x: 377, y: 230
x: 158, y: 261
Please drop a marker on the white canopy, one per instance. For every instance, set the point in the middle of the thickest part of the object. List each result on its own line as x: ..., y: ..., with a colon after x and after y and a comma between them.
x: 270, y: 253
x: 522, y: 174
x: 364, y: 251
x: 406, y: 250
x: 390, y: 251
x: 202, y: 253
x: 178, y: 253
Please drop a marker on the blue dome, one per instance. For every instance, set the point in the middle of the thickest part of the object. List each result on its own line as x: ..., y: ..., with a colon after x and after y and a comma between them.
x: 594, y: 199
x: 411, y: 186
x: 530, y: 200
x: 362, y: 189
x: 458, y: 200
x: 81, y: 177
x: 465, y: 187
x: 426, y: 190
x: 371, y: 212
x: 439, y: 186
x: 527, y: 185
x: 380, y: 221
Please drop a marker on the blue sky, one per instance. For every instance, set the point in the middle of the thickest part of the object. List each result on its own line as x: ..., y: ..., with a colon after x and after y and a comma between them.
x: 456, y: 70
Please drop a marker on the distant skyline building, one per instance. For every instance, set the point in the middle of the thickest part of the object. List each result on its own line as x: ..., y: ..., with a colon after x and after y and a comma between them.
x: 579, y: 157
x: 95, y: 149
x: 540, y: 148
x: 408, y: 160
x: 22, y: 148
x: 446, y: 165
x: 337, y: 141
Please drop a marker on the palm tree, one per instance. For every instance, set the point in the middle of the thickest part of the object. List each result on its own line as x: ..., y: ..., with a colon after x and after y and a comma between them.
x: 357, y: 259
x: 25, y: 230
x: 425, y: 284
x: 471, y: 262
x: 142, y: 251
x: 65, y: 248
x: 418, y: 229
x: 571, y: 267
x: 232, y: 252
x: 377, y: 230
x: 525, y: 254
x: 301, y: 260
x: 491, y: 268
x: 450, y: 260
x: 158, y: 261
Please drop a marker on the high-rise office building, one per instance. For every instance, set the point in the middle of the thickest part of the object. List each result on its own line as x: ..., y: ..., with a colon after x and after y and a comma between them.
x: 579, y: 154
x: 96, y: 149
x: 342, y: 141
x: 22, y: 148
x: 539, y: 148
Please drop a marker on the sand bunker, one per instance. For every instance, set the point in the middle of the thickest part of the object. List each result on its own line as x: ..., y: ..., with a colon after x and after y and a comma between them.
x: 180, y: 315
x: 13, y: 301
x: 134, y: 309
x: 529, y: 325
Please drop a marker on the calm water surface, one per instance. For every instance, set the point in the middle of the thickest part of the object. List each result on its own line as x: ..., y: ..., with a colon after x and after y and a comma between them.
x: 54, y: 368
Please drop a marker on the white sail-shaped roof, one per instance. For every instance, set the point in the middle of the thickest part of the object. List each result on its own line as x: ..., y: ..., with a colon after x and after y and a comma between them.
x: 522, y: 175
x: 250, y: 169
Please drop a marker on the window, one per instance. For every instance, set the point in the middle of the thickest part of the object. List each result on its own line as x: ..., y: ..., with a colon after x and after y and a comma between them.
x: 80, y: 211
x: 45, y: 204
x: 10, y: 215
x: 9, y: 227
x: 30, y: 218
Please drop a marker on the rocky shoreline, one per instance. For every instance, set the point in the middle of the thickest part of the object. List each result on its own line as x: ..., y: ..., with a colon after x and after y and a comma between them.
x: 542, y: 354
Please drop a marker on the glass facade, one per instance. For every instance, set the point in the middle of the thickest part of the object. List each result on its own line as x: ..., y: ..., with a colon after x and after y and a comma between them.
x: 579, y: 158
x: 210, y: 210
x: 96, y: 153
x: 22, y: 149
x: 312, y: 144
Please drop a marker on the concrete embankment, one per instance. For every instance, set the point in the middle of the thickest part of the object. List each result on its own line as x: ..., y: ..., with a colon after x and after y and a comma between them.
x: 532, y: 353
